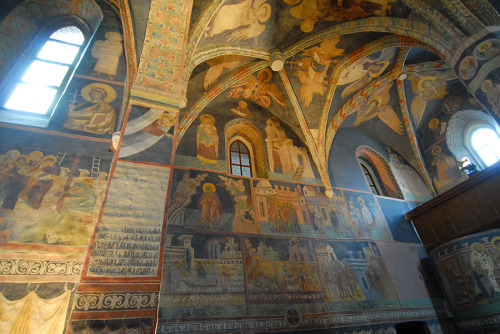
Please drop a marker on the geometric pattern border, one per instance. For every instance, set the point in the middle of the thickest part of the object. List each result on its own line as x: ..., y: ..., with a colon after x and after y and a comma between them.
x: 40, y: 267
x: 116, y: 301
x: 478, y: 323
x: 267, y: 324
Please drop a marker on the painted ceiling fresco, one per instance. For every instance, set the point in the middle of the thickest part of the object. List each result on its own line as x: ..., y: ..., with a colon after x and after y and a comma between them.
x: 336, y: 64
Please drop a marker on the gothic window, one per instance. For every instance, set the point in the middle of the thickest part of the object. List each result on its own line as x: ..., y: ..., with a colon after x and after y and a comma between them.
x: 378, y: 173
x: 371, y: 178
x: 240, y: 159
x: 41, y: 75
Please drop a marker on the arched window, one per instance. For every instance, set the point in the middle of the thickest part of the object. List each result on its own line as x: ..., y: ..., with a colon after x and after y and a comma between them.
x: 484, y: 144
x: 371, y: 178
x: 378, y: 173
x: 473, y: 135
x: 39, y: 78
x: 240, y: 159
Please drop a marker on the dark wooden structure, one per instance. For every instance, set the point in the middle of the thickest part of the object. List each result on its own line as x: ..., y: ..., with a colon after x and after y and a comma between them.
x: 470, y: 207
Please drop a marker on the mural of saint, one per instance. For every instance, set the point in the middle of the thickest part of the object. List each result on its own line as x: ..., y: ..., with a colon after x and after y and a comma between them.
x: 313, y: 11
x: 247, y: 15
x: 207, y: 140
x: 210, y: 207
x: 313, y: 68
x: 446, y: 169
x: 427, y: 86
x: 95, y: 115
x: 108, y: 54
x: 492, y: 92
x: 377, y: 106
x: 186, y: 188
x: 242, y: 110
x: 485, y: 284
x: 258, y: 89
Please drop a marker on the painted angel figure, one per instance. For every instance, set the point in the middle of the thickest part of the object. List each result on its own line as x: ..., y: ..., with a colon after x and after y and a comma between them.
x: 258, y: 89
x: 247, y: 15
x: 377, y: 106
x: 364, y: 71
x: 428, y: 86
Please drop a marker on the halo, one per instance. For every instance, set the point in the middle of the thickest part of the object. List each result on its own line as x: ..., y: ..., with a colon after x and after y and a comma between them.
x: 433, y: 124
x: 114, y: 36
x: 110, y: 92
x: 35, y: 154
x: 242, y: 104
x: 476, y: 244
x: 436, y: 150
x: 171, y: 118
x: 87, y: 180
x: 49, y: 157
x: 421, y: 81
x: 25, y: 157
x: 208, y: 185
x: 484, y: 46
x: 385, y: 64
x: 496, y: 242
x: 208, y: 118
x: 486, y: 85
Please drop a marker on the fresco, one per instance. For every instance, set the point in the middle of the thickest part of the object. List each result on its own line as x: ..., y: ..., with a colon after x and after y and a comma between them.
x: 427, y: 86
x: 415, y: 285
x: 366, y: 215
x: 210, y: 202
x: 50, y: 197
x: 477, y: 66
x: 301, y: 211
x: 148, y: 136
x: 469, y: 271
x: 354, y: 276
x: 127, y: 325
x: 444, y: 169
x: 313, y: 66
x: 281, y: 274
x: 258, y: 89
x: 408, y: 179
x: 363, y: 71
x: 40, y: 307
x: 246, y: 18
x: 312, y: 11
x: 202, y: 277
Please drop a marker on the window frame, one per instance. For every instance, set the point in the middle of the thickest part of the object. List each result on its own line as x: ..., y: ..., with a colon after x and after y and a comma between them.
x: 373, y: 177
x: 249, y: 153
x: 470, y: 128
x: 24, y: 61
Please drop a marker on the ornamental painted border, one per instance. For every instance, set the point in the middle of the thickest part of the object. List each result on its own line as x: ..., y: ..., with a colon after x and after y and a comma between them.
x: 18, y: 267
x: 116, y: 301
x: 269, y: 324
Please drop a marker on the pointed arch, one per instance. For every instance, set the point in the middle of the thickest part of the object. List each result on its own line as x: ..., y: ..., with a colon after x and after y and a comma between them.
x: 246, y: 132
x: 380, y: 171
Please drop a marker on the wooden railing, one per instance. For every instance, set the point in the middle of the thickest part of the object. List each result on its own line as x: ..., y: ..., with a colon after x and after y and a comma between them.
x: 470, y: 207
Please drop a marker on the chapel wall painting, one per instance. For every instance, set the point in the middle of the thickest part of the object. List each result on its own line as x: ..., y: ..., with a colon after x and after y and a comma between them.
x: 354, y: 276
x: 469, y: 273
x: 203, y: 276
x: 434, y: 96
x: 93, y: 102
x: 367, y: 217
x: 285, y: 156
x: 50, y: 197
x: 148, y: 136
x: 281, y: 274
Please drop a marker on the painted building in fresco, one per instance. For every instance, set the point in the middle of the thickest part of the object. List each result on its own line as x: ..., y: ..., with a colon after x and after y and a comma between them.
x: 244, y: 166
